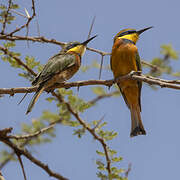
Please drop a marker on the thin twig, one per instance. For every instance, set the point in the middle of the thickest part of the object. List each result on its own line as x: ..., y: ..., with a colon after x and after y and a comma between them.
x: 20, y: 14
x: 128, y: 170
x: 91, y: 27
x: 153, y: 67
x: 100, y: 71
x: 33, y: 39
x: 27, y: 23
x: 21, y: 164
x: 18, y: 60
x: 29, y: 136
x: 6, y: 16
x: 96, y: 99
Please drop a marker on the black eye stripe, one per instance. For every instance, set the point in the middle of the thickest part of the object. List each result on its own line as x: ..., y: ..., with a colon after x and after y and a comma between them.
x: 72, y: 45
x: 127, y: 32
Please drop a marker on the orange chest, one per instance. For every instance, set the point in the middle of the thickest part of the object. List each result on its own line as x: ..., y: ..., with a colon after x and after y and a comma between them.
x: 123, y: 58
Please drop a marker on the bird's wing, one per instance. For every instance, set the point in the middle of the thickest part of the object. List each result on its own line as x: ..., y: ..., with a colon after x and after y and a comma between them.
x: 55, y: 64
x: 138, y: 64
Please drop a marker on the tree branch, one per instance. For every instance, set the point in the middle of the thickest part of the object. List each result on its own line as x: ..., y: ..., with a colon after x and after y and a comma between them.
x: 33, y: 39
x: 91, y: 131
x: 173, y: 84
x: 27, y: 23
x: 18, y: 60
x: 6, y: 17
x: 29, y: 136
x: 26, y: 153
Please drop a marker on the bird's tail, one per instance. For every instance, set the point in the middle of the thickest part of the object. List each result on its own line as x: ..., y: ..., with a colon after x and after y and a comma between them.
x: 35, y: 98
x: 137, y: 127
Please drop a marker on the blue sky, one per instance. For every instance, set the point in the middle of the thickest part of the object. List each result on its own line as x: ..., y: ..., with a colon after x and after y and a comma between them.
x: 154, y: 156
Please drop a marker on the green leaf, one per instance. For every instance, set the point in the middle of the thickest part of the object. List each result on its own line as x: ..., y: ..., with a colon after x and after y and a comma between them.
x: 117, y: 159
x: 49, y: 116
x: 4, y: 155
x: 9, y: 44
x: 168, y: 50
x: 14, y: 6
x: 102, y: 176
x: 100, y: 165
x: 176, y: 74
x: 79, y: 132
x: 98, y: 90
x: 100, y: 153
x: 31, y: 63
x: 3, y: 7
x: 112, y: 152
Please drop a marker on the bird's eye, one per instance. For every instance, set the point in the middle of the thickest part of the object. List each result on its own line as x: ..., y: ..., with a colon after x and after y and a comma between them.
x: 71, y: 46
x: 127, y: 32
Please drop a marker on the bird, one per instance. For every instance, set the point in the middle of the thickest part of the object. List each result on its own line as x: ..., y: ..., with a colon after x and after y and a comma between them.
x: 124, y: 59
x: 59, y: 68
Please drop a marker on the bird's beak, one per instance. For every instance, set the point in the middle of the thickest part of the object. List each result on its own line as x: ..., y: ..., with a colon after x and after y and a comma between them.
x: 142, y: 30
x: 87, y: 41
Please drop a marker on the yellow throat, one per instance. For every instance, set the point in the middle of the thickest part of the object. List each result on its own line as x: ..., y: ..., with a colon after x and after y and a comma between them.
x: 80, y: 49
x: 132, y: 37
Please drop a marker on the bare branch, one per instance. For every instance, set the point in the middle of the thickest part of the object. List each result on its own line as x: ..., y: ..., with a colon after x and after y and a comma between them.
x: 29, y: 136
x: 28, y: 21
x: 21, y: 164
x: 153, y: 67
x: 173, y: 84
x: 33, y: 39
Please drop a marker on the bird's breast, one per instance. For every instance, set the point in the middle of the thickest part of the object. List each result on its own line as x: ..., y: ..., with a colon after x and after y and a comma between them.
x: 123, y: 58
x: 66, y: 73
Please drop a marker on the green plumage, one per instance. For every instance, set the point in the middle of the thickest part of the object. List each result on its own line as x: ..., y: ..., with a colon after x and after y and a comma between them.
x: 55, y: 65
x: 138, y: 63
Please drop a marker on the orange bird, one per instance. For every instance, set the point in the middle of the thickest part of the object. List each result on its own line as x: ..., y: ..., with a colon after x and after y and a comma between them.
x: 124, y: 59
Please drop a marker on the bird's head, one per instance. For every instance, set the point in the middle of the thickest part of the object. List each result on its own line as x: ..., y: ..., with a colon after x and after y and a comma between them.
x: 130, y: 34
x: 77, y: 47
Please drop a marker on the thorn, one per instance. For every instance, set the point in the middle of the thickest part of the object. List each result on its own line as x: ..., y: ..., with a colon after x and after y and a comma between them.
x: 22, y: 98
x: 78, y: 87
x: 99, y: 122
x: 100, y: 71
x: 38, y: 28
x: 27, y: 14
x: 90, y: 30
x: 109, y: 87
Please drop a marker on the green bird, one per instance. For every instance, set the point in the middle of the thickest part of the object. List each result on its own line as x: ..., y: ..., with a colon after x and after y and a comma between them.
x: 59, y: 68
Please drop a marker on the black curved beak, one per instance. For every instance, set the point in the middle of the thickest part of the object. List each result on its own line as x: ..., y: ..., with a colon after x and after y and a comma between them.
x: 87, y: 41
x: 145, y: 29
